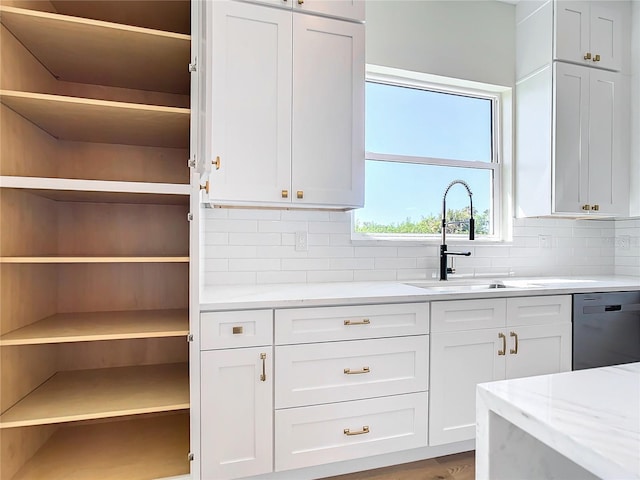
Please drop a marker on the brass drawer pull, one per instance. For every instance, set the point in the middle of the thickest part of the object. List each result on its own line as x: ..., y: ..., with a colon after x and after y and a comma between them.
x: 237, y: 330
x: 364, y: 430
x: 285, y: 193
x: 263, y: 376
x: 587, y: 56
x: 504, y: 343
x: 514, y: 350
x: 364, y: 321
x: 348, y: 371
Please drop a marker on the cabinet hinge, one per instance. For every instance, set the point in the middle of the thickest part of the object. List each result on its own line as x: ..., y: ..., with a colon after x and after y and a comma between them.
x: 190, y: 337
x: 190, y: 457
x: 193, y: 67
x: 191, y: 163
x: 190, y: 217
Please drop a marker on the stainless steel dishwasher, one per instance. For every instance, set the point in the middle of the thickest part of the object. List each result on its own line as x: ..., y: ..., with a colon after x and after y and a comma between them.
x: 606, y: 329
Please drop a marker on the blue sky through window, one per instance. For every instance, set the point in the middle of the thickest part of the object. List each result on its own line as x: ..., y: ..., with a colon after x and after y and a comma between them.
x: 409, y: 121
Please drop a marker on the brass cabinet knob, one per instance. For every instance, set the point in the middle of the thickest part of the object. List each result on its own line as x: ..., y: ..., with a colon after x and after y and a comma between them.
x: 285, y: 193
x: 300, y: 2
x: 587, y: 56
x: 596, y: 58
x: 595, y: 208
x: 300, y: 194
x: 586, y: 207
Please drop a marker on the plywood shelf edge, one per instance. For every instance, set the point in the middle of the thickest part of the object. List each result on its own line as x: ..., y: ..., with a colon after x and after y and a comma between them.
x: 134, y: 449
x: 102, y: 121
x: 85, y: 259
x: 82, y: 50
x: 102, y: 393
x: 98, y: 326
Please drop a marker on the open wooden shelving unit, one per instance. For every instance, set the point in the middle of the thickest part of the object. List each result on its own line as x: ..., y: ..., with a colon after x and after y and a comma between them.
x: 94, y: 246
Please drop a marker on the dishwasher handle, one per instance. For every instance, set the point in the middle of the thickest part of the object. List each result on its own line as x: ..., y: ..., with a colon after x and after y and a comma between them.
x: 613, y: 308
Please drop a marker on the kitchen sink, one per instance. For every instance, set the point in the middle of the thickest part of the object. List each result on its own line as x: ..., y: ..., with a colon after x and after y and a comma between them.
x: 472, y: 286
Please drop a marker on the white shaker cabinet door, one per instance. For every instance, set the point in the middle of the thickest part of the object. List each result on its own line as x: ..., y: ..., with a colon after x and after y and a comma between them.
x: 328, y: 111
x: 571, y: 178
x: 251, y: 100
x: 608, y: 153
x: 572, y: 30
x: 459, y: 361
x: 236, y: 412
x: 538, y: 350
x: 605, y: 33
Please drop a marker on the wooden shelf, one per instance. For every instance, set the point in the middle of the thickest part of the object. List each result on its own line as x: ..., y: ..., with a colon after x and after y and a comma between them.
x: 102, y: 393
x: 81, y: 50
x: 96, y: 326
x: 89, y: 120
x: 101, y: 191
x: 69, y: 259
x: 141, y: 449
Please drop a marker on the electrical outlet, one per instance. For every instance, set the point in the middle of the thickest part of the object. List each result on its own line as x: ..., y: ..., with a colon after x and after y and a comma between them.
x: 544, y: 241
x: 623, y: 241
x: 302, y: 242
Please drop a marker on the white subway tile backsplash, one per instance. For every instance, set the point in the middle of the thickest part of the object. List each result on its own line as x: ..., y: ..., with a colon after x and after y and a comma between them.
x: 243, y: 246
x: 281, y: 226
x: 330, y: 276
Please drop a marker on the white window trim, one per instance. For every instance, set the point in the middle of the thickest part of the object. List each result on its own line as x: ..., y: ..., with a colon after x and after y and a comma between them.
x: 502, y: 113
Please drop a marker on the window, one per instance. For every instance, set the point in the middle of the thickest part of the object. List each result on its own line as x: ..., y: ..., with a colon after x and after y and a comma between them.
x: 420, y: 137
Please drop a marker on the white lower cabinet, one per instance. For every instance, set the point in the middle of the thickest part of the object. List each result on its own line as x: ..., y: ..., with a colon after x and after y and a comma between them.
x: 534, y: 339
x: 313, y: 435
x: 236, y: 395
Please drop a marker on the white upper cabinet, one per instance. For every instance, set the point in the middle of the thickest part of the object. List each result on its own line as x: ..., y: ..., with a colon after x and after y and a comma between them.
x: 589, y: 32
x: 328, y: 104
x: 286, y: 108
x: 348, y: 9
x: 589, y: 164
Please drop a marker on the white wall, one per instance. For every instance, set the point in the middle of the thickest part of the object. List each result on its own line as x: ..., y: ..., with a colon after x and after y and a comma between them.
x: 472, y: 40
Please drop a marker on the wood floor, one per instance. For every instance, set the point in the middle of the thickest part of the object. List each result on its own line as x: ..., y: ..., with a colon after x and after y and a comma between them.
x: 460, y: 466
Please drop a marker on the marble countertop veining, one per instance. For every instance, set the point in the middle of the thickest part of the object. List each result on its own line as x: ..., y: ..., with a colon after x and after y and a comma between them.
x: 592, y: 416
x: 233, y: 297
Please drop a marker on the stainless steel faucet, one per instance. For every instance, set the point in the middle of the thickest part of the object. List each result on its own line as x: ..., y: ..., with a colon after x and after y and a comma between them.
x: 443, y: 247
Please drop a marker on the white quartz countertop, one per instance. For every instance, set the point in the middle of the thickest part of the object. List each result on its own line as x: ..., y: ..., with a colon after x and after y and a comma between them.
x: 351, y: 293
x: 592, y: 417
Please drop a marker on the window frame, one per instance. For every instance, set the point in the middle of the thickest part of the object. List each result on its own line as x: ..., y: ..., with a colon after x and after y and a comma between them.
x: 444, y: 85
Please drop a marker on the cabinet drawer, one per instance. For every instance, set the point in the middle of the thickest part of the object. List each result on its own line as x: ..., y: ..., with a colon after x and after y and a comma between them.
x: 321, y: 373
x: 246, y: 328
x: 309, y: 436
x: 458, y: 315
x: 307, y: 325
x: 538, y: 310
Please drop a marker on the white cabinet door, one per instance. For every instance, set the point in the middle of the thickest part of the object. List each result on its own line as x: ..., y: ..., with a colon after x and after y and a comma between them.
x: 608, y: 157
x: 328, y: 112
x: 538, y: 350
x: 605, y: 31
x: 236, y: 412
x: 351, y: 9
x: 589, y: 33
x: 538, y: 310
x: 571, y: 159
x: 459, y: 361
x: 251, y: 100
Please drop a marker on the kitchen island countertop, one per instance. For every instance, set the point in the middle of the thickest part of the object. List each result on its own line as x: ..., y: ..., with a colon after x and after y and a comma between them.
x: 581, y: 424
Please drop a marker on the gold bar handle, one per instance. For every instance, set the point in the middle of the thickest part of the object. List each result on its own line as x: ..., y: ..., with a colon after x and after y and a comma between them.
x: 263, y: 376
x: 349, y: 433
x: 587, y: 56
x: 364, y: 321
x: 586, y: 207
x: 348, y: 371
x: 285, y: 193
x: 595, y: 207
x: 514, y: 351
x: 596, y: 58
x: 216, y: 162
x: 504, y: 343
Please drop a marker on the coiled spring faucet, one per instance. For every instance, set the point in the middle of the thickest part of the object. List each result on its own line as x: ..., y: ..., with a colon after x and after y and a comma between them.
x: 444, y: 270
